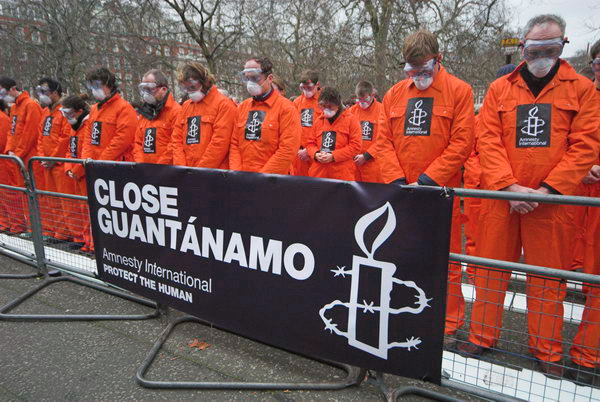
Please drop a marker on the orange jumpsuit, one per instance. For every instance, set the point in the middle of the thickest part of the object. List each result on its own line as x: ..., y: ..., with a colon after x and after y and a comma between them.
x: 25, y: 117
x: 550, y: 139
x: 342, y: 139
x: 267, y: 135
x: 112, y: 127
x: 202, y: 132
x: 4, y: 177
x: 53, y: 130
x: 153, y: 136
x: 81, y: 218
x: 368, y: 120
x: 471, y: 205
x: 309, y: 113
x: 586, y: 344
x: 427, y: 136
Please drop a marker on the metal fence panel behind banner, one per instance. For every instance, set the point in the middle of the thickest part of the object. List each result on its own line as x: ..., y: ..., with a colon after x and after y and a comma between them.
x: 351, y: 272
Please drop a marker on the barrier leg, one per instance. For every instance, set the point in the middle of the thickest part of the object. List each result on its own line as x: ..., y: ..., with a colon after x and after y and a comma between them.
x: 5, y: 315
x: 392, y: 395
x: 354, y: 377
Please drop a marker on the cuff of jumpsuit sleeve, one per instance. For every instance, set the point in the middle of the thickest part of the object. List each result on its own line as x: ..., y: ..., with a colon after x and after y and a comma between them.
x: 367, y: 156
x: 550, y: 188
x: 401, y: 181
x: 425, y: 180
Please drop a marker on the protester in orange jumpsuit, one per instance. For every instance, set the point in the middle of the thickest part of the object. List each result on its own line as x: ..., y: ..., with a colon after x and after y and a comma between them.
x: 202, y: 132
x: 472, y: 180
x: 157, y: 117
x: 426, y: 135
x: 585, y: 352
x: 53, y: 132
x: 367, y: 110
x: 267, y: 134
x: 25, y: 115
x: 538, y: 135
x: 113, y: 121
x: 76, y: 111
x: 308, y: 106
x: 4, y: 166
x: 336, y: 139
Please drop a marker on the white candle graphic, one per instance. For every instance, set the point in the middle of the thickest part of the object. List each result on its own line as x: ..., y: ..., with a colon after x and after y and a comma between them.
x: 387, y: 270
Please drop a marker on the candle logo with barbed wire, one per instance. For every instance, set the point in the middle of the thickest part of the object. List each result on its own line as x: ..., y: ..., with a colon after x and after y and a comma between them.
x: 386, y: 271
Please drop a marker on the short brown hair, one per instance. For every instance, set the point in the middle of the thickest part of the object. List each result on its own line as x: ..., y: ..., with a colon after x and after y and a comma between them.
x: 364, y: 88
x: 309, y: 75
x: 595, y: 50
x: 420, y: 45
x: 266, y: 67
x: 195, y: 71
x: 160, y: 78
x: 103, y: 75
x: 330, y: 95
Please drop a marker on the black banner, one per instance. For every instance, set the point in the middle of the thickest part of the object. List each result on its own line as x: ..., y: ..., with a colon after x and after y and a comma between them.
x: 346, y: 271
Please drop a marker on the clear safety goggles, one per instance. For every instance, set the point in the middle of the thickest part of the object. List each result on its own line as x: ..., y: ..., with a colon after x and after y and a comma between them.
x: 251, y: 74
x: 307, y: 87
x: 595, y: 65
x: 91, y: 85
x: 42, y: 90
x: 148, y: 87
x: 3, y: 92
x: 538, y: 49
x: 190, y: 86
x: 424, y: 70
x: 364, y: 99
x: 68, y: 113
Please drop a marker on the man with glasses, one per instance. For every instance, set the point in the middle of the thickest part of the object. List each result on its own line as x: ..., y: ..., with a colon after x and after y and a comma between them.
x: 202, y: 133
x: 267, y: 134
x: 113, y: 121
x: 308, y: 106
x: 25, y: 120
x: 425, y: 136
x: 367, y: 109
x: 53, y: 134
x: 538, y: 135
x: 156, y: 120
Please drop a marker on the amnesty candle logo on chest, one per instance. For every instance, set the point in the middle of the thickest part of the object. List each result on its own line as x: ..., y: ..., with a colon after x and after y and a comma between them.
x: 254, y: 125
x: 418, y: 117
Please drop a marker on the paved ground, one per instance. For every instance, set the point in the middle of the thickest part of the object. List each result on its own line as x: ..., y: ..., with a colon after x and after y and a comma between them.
x: 98, y: 360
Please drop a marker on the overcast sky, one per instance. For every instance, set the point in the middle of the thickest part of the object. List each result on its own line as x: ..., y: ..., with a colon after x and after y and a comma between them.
x: 579, y: 15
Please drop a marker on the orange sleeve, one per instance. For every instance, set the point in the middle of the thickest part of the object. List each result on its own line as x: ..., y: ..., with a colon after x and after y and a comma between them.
x: 583, y: 144
x: 354, y: 142
x: 493, y: 157
x: 223, y: 126
x: 385, y: 150
x: 138, y: 150
x: 4, y: 130
x: 27, y: 138
x: 167, y: 157
x: 447, y: 165
x: 289, y: 141
x: 176, y: 143
x: 235, y: 158
x: 311, y: 142
x: 62, y: 143
x: 124, y: 135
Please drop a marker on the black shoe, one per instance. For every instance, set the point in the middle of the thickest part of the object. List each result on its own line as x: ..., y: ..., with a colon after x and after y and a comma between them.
x: 550, y: 369
x: 469, y: 349
x: 581, y: 375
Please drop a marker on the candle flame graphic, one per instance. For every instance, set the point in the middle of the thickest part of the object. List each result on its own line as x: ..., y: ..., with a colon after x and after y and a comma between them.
x: 364, y: 222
